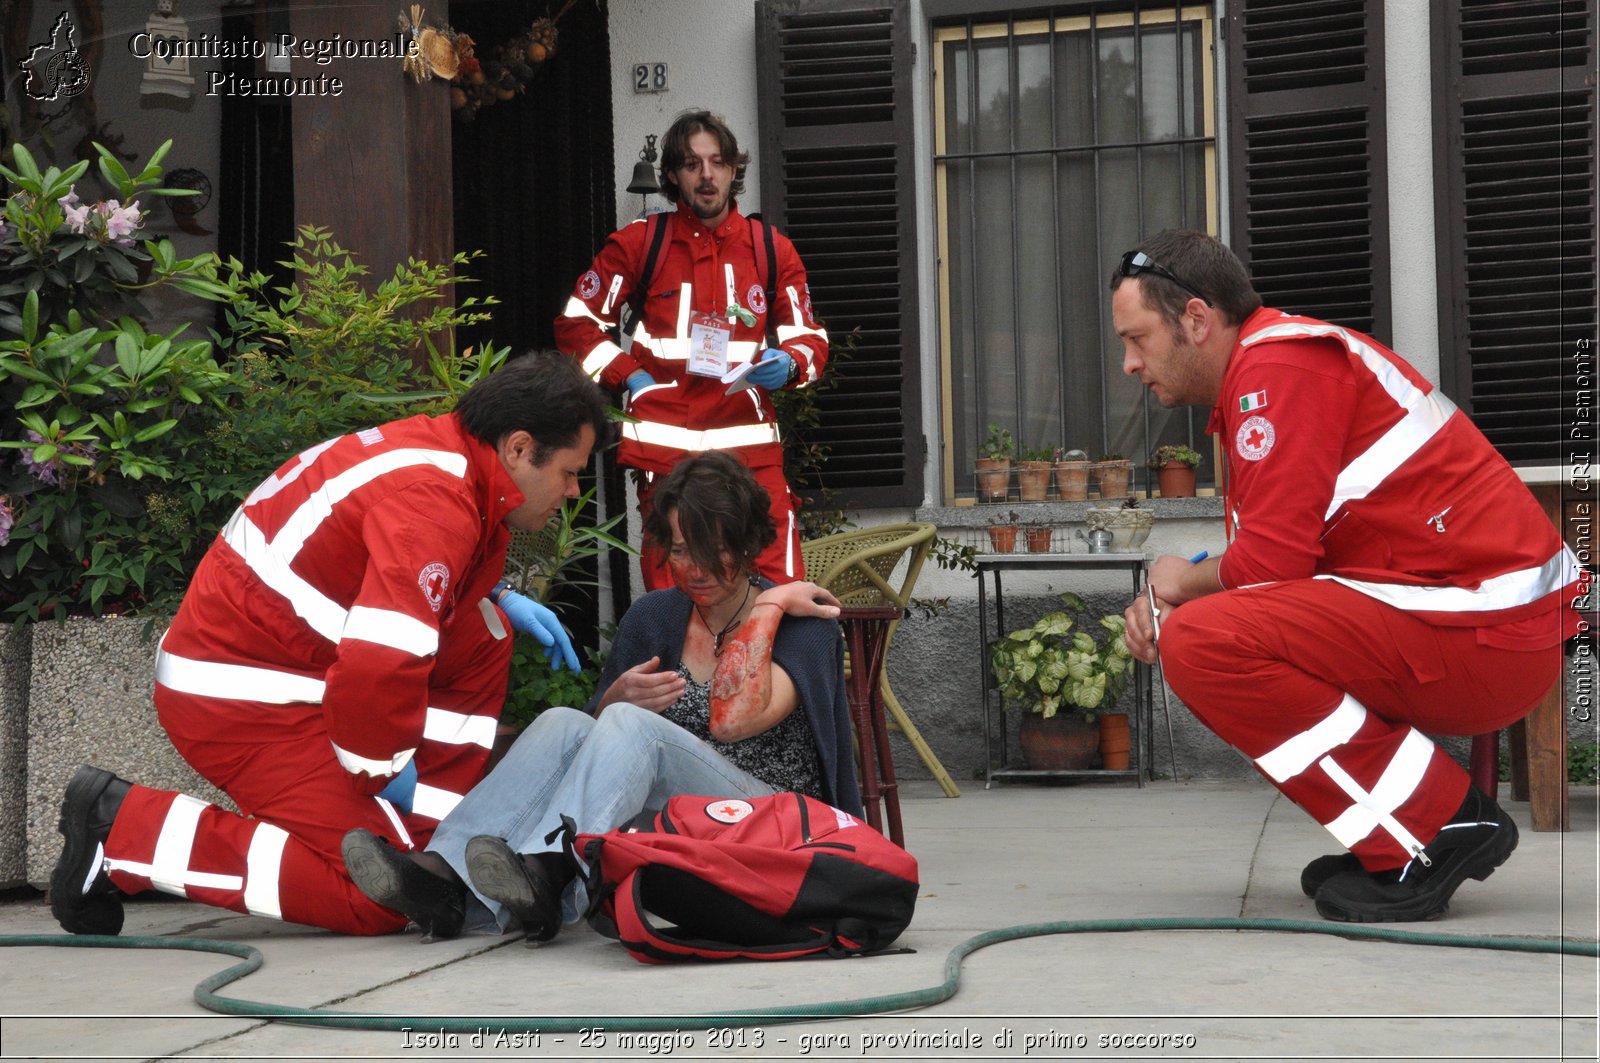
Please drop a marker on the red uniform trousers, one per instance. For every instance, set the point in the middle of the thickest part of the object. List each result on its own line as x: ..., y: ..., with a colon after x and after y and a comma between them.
x: 780, y: 562
x: 1328, y: 690
x: 281, y: 857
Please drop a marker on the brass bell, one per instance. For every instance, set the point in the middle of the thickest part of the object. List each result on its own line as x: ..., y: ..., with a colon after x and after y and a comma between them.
x: 644, y: 172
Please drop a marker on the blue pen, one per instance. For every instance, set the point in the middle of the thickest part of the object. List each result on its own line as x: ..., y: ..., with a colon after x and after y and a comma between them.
x: 1201, y: 556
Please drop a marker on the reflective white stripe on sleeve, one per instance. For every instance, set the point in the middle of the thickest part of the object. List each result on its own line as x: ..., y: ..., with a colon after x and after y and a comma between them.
x: 321, y: 613
x: 207, y: 679
x: 1376, y: 809
x: 356, y: 764
x: 1506, y: 591
x: 578, y: 308
x: 388, y: 627
x: 263, y: 864
x: 595, y: 362
x: 433, y: 802
x: 687, y: 439
x: 1300, y: 752
x: 458, y: 728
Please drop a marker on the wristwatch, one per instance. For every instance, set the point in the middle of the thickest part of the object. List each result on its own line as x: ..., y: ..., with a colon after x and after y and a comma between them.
x: 794, y: 371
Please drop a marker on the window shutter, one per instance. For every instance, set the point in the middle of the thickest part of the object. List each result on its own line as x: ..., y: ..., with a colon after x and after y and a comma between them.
x: 837, y: 178
x: 1307, y: 161
x: 1516, y: 169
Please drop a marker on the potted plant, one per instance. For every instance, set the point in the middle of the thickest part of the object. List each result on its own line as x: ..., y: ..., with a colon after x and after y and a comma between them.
x: 1072, y: 474
x: 1129, y: 524
x: 994, y: 465
x: 1003, y: 534
x: 1039, y: 537
x: 1175, y: 465
x: 1113, y: 472
x: 1033, y: 473
x: 1062, y: 679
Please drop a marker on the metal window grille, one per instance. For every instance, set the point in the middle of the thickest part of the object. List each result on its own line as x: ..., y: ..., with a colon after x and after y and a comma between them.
x: 1061, y: 140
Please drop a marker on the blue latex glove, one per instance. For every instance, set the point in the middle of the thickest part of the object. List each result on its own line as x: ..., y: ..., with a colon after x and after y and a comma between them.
x: 531, y: 618
x: 638, y: 381
x: 402, y: 789
x: 772, y: 372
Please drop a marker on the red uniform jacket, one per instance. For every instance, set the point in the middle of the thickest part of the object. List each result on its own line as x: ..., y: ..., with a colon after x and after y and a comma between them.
x: 697, y: 270
x: 340, y: 581
x: 1345, y: 463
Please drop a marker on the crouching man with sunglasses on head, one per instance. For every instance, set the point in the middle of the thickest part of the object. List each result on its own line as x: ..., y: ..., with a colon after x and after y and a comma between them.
x: 1388, y: 574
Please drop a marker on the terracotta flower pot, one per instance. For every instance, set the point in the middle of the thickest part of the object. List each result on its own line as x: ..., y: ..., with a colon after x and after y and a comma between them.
x: 1039, y: 539
x: 1064, y: 742
x: 1176, y: 480
x: 994, y: 479
x: 1114, y: 741
x: 1113, y: 477
x: 1003, y: 538
x: 1033, y: 480
x: 1072, y: 480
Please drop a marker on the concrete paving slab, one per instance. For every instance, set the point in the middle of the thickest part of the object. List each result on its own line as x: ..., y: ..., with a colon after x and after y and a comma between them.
x: 1016, y: 854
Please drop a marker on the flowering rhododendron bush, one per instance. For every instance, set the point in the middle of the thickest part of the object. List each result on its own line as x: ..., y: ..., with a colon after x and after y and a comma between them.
x: 97, y: 408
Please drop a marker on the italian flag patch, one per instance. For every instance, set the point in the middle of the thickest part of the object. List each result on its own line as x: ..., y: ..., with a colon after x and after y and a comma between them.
x: 1253, y: 401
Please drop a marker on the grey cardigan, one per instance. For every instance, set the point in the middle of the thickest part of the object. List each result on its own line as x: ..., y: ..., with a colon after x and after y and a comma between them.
x: 810, y: 650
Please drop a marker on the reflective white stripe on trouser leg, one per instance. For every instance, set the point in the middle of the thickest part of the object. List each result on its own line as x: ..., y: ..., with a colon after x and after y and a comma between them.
x: 262, y: 866
x: 1376, y: 809
x: 1300, y: 752
x: 168, y: 870
x: 394, y: 820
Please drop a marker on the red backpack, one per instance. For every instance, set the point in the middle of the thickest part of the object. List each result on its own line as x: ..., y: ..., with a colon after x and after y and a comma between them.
x: 710, y: 878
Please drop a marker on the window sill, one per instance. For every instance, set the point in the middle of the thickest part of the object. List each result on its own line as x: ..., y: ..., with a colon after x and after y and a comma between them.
x: 1205, y: 507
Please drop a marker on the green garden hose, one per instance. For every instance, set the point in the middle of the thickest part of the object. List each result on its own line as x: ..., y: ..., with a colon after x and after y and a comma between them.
x: 206, y: 996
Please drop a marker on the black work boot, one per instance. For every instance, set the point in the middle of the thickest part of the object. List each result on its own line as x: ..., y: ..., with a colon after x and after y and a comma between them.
x: 1478, y: 839
x: 396, y: 880
x: 1323, y: 868
x: 82, y: 897
x: 529, y: 885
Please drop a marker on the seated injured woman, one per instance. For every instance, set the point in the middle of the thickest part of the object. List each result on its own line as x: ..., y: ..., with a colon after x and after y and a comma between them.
x: 725, y: 685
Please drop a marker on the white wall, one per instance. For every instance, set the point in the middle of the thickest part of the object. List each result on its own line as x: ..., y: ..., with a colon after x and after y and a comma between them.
x: 709, y: 48
x: 1413, y: 264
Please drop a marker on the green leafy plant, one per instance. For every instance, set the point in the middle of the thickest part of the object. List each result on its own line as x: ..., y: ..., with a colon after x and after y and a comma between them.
x: 1048, y: 667
x: 1044, y: 453
x: 1174, y: 454
x: 534, y: 686
x: 999, y: 446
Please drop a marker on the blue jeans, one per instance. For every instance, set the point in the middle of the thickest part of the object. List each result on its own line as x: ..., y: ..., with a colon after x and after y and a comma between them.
x: 599, y: 772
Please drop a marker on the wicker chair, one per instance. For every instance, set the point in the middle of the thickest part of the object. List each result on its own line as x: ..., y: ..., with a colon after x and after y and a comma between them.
x: 859, y: 568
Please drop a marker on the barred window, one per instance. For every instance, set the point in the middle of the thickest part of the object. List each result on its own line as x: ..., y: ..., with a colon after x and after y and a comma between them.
x: 1060, y: 142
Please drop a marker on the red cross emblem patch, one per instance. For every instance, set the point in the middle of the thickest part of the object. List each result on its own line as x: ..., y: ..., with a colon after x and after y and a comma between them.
x: 1254, y: 439
x: 729, y: 809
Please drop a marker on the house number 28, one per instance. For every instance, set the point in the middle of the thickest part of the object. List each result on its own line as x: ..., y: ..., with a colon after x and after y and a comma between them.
x: 649, y: 77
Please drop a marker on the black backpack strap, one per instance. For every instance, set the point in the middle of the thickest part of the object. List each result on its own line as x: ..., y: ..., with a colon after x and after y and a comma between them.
x: 659, y: 224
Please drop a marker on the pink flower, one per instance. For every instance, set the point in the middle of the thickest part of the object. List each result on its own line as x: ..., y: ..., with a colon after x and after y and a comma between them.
x: 77, y: 218
x: 121, y: 222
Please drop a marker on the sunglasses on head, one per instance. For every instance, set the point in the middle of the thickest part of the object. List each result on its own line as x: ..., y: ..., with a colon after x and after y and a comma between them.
x: 1137, y: 262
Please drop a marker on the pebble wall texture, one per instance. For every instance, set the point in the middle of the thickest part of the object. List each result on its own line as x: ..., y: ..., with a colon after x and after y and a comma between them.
x: 89, y: 703
x: 15, y: 663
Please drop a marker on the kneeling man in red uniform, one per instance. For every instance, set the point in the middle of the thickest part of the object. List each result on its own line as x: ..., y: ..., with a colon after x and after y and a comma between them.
x: 340, y: 661
x: 1388, y: 575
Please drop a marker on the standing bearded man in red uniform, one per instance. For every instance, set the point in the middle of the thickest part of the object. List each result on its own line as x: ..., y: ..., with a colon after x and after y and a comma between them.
x: 702, y: 312
x: 1388, y: 574
x: 340, y: 661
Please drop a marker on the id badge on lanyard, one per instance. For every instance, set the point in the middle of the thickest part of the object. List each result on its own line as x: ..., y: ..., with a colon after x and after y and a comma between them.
x: 709, y: 336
